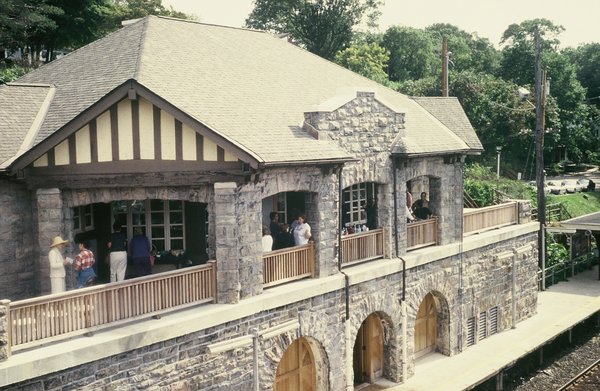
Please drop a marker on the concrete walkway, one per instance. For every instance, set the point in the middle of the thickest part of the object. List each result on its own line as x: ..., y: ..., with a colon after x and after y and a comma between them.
x: 559, y: 308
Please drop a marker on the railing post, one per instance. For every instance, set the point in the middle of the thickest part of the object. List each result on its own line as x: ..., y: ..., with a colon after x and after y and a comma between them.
x: 5, y: 330
x: 311, y: 253
x: 213, y: 280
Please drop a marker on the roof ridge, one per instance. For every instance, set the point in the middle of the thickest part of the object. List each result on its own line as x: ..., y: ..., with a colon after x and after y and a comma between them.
x: 23, y: 84
x: 208, y: 24
x: 142, y: 40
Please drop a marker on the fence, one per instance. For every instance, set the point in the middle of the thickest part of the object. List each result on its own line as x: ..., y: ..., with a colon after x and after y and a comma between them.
x: 288, y: 264
x: 563, y: 270
x: 421, y: 233
x: 63, y: 313
x: 363, y: 246
x: 477, y: 220
x: 554, y: 212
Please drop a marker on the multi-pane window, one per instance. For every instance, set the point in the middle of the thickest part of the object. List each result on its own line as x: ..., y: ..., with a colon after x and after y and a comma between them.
x: 354, y: 201
x: 83, y: 218
x: 161, y: 221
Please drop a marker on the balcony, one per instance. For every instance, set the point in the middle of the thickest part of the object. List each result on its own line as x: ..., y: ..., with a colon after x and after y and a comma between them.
x: 362, y: 247
x: 288, y: 264
x: 65, y: 314
x: 421, y: 233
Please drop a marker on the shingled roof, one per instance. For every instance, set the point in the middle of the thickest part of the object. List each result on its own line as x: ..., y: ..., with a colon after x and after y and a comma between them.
x: 249, y: 87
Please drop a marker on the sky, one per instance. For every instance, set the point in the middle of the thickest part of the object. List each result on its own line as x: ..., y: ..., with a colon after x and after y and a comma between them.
x: 486, y: 18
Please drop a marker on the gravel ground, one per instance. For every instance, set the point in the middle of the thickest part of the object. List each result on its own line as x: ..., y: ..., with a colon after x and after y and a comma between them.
x: 560, y: 366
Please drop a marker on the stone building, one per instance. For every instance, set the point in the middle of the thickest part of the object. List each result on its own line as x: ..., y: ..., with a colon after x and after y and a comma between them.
x: 198, y: 133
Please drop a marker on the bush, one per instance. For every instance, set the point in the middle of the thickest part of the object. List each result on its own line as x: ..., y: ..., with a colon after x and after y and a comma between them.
x: 9, y: 74
x: 556, y: 253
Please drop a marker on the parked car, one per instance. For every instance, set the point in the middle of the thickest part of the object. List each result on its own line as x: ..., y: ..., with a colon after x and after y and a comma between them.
x: 572, y: 185
x: 556, y: 187
x: 533, y: 185
x: 585, y: 183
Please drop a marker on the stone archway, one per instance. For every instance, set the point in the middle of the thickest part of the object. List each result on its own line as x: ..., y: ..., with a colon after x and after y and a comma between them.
x: 426, y: 327
x: 368, y: 352
x: 301, y: 368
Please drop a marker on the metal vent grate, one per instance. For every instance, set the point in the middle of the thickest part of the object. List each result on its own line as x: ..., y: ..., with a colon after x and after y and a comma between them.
x: 471, y: 331
x: 482, y: 325
x: 493, y: 320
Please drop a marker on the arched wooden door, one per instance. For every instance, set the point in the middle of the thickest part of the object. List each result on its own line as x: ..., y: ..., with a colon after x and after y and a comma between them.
x: 368, y: 351
x: 426, y: 327
x: 296, y: 370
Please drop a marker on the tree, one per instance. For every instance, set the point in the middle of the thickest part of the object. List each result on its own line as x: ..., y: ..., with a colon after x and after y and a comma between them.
x: 412, y: 54
x: 369, y: 60
x: 586, y: 59
x: 323, y: 27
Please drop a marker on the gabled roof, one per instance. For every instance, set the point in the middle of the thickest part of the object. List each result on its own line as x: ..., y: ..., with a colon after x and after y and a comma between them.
x: 449, y: 111
x: 22, y: 109
x: 246, y: 86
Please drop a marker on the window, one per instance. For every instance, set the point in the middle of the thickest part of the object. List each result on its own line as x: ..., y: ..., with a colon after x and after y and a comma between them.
x: 83, y: 218
x: 354, y: 200
x: 471, y: 331
x: 161, y: 221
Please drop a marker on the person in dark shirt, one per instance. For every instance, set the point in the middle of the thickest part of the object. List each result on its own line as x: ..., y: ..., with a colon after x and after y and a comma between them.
x: 275, y: 226
x: 421, y: 208
x: 118, y: 253
x: 284, y: 238
x: 371, y: 210
x: 140, y: 253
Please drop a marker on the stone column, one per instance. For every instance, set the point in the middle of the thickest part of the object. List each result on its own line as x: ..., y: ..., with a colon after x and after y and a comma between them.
x: 50, y: 224
x: 322, y: 213
x: 226, y: 238
x: 524, y: 211
x: 249, y: 240
x: 4, y: 329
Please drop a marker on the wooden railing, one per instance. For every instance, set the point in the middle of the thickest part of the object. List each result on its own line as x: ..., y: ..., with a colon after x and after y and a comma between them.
x: 288, y: 264
x: 362, y: 247
x: 421, y: 233
x: 481, y: 219
x: 63, y: 313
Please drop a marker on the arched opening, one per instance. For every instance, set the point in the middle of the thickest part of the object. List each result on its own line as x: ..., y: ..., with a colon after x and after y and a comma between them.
x: 426, y: 327
x: 296, y: 370
x: 368, y: 351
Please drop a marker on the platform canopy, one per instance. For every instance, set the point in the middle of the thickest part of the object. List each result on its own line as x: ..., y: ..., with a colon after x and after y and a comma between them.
x: 589, y: 222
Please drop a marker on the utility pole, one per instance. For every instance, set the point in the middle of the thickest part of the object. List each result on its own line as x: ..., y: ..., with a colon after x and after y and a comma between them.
x: 540, y: 102
x: 445, y: 67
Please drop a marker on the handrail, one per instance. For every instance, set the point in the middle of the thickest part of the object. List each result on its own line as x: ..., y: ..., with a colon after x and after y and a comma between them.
x: 421, y: 233
x: 481, y: 219
x: 64, y: 313
x: 362, y: 247
x: 288, y: 264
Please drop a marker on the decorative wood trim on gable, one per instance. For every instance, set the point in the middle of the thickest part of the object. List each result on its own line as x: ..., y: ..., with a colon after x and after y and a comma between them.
x: 126, y: 131
x: 119, y: 129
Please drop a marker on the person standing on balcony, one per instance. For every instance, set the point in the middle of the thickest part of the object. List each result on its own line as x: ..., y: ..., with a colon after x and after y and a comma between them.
x: 140, y: 252
x: 118, y: 253
x: 275, y: 226
x: 371, y: 210
x: 284, y: 239
x: 421, y: 208
x: 302, y: 231
x: 267, y: 240
x: 57, y: 265
x: 83, y: 264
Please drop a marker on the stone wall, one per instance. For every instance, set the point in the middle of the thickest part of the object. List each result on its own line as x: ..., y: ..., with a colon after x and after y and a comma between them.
x: 463, y: 286
x: 18, y: 250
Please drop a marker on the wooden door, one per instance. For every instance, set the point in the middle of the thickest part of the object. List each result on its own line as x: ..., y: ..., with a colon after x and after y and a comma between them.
x: 296, y: 370
x: 426, y: 327
x: 368, y: 351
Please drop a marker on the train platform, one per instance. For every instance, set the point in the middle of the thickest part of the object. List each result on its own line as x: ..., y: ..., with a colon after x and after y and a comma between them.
x: 560, y: 307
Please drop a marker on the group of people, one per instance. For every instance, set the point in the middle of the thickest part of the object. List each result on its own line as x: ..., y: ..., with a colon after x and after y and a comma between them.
x: 279, y: 235
x: 83, y: 263
x: 419, y: 210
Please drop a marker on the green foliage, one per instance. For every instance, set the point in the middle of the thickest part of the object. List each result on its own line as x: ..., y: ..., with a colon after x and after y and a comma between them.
x: 556, y: 253
x: 412, y: 53
x: 323, y: 27
x: 365, y: 59
x: 9, y: 74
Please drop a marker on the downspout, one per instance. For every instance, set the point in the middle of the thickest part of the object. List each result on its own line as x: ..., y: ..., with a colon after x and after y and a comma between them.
x: 403, y: 310
x: 347, y: 333
x: 514, y: 290
x: 460, y: 266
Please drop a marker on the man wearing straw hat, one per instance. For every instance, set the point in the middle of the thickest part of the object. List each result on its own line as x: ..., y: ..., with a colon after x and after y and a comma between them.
x: 57, y: 264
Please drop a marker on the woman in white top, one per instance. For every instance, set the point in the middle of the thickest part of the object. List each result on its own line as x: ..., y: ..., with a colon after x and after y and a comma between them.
x: 57, y: 265
x: 267, y: 240
x: 302, y: 231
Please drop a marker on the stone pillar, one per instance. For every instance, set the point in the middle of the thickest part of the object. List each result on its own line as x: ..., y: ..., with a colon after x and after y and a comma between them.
x: 50, y: 224
x: 524, y: 211
x: 4, y: 329
x: 226, y: 241
x: 249, y: 240
x: 322, y: 213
